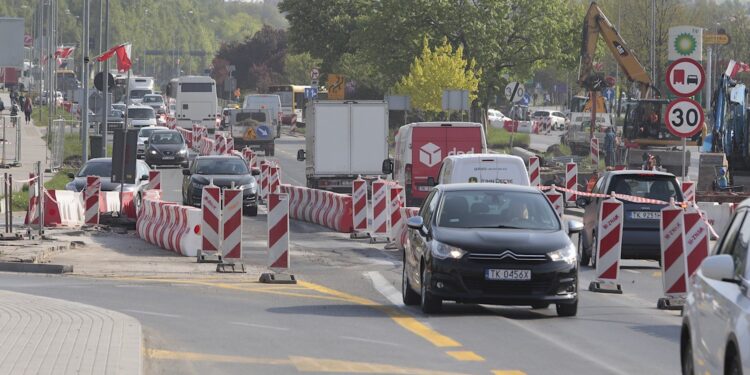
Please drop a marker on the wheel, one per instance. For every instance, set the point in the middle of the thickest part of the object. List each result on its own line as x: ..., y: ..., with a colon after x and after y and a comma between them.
x: 409, y: 296
x: 250, y: 211
x: 539, y: 306
x: 733, y: 364
x: 429, y: 303
x: 567, y: 309
x: 583, y: 257
x: 137, y: 203
x: 686, y: 354
x: 594, y: 250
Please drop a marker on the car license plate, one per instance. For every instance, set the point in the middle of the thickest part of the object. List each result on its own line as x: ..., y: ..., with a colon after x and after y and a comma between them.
x: 168, y: 157
x: 645, y: 215
x: 500, y: 274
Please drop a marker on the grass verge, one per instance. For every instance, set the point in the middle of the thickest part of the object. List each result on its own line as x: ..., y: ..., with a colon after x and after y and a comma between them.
x: 57, y: 182
x: 498, y: 139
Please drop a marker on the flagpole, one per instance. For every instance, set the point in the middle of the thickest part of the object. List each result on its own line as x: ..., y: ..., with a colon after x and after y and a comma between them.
x: 125, y: 140
x: 85, y: 72
x: 105, y: 86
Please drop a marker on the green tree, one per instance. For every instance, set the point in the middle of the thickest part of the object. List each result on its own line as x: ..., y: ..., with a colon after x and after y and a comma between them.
x: 297, y: 67
x: 435, y: 71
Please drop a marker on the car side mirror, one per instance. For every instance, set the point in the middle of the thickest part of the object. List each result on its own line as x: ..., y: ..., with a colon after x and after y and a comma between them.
x: 387, y: 167
x: 144, y: 177
x: 186, y: 172
x: 574, y: 226
x: 300, y: 155
x: 71, y: 175
x: 718, y: 267
x: 415, y: 222
x: 582, y: 202
x: 255, y: 171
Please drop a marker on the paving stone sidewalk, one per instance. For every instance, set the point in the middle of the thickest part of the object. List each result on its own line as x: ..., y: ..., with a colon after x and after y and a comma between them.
x: 40, y: 335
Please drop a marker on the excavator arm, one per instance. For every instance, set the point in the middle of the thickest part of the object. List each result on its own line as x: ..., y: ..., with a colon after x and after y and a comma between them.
x: 595, y: 24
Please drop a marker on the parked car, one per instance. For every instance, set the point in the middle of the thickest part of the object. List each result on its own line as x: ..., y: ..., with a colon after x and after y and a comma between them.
x: 166, y: 147
x: 143, y: 135
x: 640, y: 234
x: 492, y: 244
x: 556, y: 119
x: 496, y: 118
x: 224, y: 171
x: 715, y: 336
x: 102, y: 167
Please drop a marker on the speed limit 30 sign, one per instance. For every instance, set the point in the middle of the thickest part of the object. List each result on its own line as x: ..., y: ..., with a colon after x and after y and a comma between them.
x: 684, y: 117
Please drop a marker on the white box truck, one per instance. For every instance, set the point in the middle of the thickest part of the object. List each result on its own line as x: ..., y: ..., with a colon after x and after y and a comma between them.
x: 344, y: 139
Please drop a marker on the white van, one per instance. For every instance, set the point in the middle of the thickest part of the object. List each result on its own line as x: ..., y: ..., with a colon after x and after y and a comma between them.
x: 263, y: 102
x: 499, y: 168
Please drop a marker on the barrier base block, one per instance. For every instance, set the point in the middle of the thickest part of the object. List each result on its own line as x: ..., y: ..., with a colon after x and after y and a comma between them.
x: 230, y: 267
x: 376, y: 239
x: 670, y: 303
x: 209, y: 257
x: 277, y: 278
x: 391, y: 246
x: 357, y: 235
x: 605, y: 287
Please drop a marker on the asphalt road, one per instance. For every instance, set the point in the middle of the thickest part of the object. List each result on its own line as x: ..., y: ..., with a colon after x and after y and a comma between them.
x: 346, y: 315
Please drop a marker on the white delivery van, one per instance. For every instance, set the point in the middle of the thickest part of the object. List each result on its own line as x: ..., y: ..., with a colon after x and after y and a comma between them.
x: 498, y: 168
x: 263, y: 102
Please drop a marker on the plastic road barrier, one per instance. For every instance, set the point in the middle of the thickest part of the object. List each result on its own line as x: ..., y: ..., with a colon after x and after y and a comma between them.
x: 671, y: 232
x: 274, y: 180
x: 571, y: 182
x: 379, y: 211
x: 556, y: 199
x: 359, y: 212
x: 197, y: 137
x: 608, y: 247
x: 264, y: 179
x: 406, y: 213
x: 595, y: 153
x: 397, y: 223
x: 231, y: 221
x: 154, y: 180
x: 696, y: 239
x: 211, y: 225
x: 278, y: 231
x: 534, y: 174
x: 229, y: 144
x: 91, y: 199
x: 187, y: 135
x: 688, y: 191
x: 31, y: 213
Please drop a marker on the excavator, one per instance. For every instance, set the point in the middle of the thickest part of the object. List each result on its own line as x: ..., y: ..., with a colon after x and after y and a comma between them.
x: 644, y: 132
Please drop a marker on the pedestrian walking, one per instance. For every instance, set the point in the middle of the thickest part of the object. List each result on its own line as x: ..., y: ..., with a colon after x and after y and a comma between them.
x: 14, y: 114
x: 27, y: 109
x: 609, y: 147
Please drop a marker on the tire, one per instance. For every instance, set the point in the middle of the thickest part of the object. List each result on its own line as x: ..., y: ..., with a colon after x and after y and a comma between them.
x: 137, y: 203
x: 583, y: 257
x: 733, y: 364
x: 429, y: 303
x: 250, y: 211
x: 539, y: 306
x: 594, y: 250
x: 567, y: 309
x: 686, y: 354
x: 408, y: 295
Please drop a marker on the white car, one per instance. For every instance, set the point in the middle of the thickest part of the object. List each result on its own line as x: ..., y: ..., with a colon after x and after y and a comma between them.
x: 140, y: 116
x: 715, y: 335
x: 496, y: 118
x: 143, y: 135
x: 555, y: 118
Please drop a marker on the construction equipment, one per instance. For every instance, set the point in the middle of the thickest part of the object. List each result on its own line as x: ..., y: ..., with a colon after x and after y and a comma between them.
x: 644, y: 131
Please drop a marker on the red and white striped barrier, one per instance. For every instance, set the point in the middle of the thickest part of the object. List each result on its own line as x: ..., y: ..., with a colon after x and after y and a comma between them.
x: 265, y: 170
x: 556, y: 198
x: 91, y: 199
x: 406, y: 213
x: 717, y: 215
x: 154, y: 180
x: 220, y: 144
x: 395, y: 203
x: 688, y: 191
x: 595, y: 153
x: 278, y: 231
x: 608, y: 247
x: 274, y: 180
x: 170, y: 226
x: 250, y: 158
x: 359, y: 212
x: 534, y: 174
x: 31, y: 213
x: 207, y: 146
x: 231, y: 221
x: 197, y: 137
x: 320, y: 207
x: 672, y: 234
x: 171, y: 122
x: 230, y: 144
x: 379, y: 210
x: 696, y: 239
x: 211, y: 219
x: 571, y: 182
x: 187, y: 135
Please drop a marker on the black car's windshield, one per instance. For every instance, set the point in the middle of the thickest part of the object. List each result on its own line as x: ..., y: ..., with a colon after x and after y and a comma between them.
x: 221, y: 166
x: 145, y: 133
x: 166, y: 138
x: 646, y: 185
x: 98, y: 168
x: 497, y: 209
x: 141, y: 113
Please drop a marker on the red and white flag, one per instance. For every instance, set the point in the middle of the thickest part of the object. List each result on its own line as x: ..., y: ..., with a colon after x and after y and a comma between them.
x: 123, y: 56
x: 64, y: 52
x: 735, y: 67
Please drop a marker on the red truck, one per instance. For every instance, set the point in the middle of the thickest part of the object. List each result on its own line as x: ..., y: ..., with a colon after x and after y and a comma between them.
x: 9, y: 77
x: 421, y: 148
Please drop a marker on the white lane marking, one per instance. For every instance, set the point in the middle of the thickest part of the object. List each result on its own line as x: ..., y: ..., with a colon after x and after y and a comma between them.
x: 259, y: 326
x: 382, y: 262
x: 154, y: 313
x: 631, y: 271
x: 385, y: 288
x: 369, y: 341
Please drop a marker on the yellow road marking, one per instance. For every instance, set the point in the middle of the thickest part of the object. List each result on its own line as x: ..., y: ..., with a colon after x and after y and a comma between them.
x: 398, y: 316
x: 301, y: 364
x: 508, y: 372
x: 466, y: 356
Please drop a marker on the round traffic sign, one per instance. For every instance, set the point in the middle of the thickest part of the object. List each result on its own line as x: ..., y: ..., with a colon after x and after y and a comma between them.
x: 685, y: 77
x: 684, y: 117
x: 314, y: 74
x: 514, y: 92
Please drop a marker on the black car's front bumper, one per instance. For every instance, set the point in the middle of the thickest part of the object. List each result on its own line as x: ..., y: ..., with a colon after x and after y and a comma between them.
x: 249, y: 199
x: 159, y: 159
x: 463, y: 280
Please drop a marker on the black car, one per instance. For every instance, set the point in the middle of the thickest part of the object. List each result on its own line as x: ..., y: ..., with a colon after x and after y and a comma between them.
x: 166, y: 147
x: 492, y: 244
x: 640, y: 230
x: 224, y: 171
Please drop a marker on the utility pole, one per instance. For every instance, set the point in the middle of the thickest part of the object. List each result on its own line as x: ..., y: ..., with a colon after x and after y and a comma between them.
x: 652, y: 56
x: 51, y: 61
x: 105, y: 83
x: 85, y: 72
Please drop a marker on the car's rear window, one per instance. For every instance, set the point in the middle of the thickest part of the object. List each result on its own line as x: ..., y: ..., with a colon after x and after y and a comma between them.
x: 99, y: 168
x: 497, y: 209
x: 541, y: 114
x: 221, y: 166
x: 646, y: 185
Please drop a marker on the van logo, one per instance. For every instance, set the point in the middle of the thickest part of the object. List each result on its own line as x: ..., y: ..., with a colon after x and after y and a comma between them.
x: 430, y: 155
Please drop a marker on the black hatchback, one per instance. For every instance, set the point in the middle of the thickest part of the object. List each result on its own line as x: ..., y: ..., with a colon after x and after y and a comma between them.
x: 224, y: 171
x: 492, y: 244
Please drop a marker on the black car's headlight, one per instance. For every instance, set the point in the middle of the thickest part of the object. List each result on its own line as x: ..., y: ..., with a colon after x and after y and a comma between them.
x: 568, y: 254
x: 443, y: 251
x: 251, y: 186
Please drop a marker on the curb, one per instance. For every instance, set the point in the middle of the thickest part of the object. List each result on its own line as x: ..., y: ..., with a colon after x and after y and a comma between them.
x: 35, y: 267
